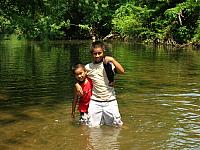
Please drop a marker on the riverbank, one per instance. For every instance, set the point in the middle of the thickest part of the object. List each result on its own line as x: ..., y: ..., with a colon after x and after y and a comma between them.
x: 117, y: 37
x: 168, y: 42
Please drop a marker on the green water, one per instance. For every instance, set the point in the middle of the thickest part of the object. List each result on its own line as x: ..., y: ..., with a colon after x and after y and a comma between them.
x: 158, y: 96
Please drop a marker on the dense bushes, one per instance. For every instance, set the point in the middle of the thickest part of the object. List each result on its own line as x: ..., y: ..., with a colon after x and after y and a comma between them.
x: 176, y: 21
x: 160, y: 21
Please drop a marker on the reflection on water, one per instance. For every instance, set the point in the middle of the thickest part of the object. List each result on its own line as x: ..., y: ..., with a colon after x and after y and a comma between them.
x: 106, y: 138
x: 158, y: 96
x: 184, y: 95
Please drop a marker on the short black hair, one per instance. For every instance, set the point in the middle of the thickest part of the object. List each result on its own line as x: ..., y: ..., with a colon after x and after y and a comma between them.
x: 97, y: 44
x: 78, y: 66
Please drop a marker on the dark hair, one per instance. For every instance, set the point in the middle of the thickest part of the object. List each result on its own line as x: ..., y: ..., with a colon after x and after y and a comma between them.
x: 97, y: 44
x: 78, y: 66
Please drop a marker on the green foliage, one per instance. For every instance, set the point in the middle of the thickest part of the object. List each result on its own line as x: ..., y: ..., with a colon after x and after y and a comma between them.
x: 36, y: 19
x: 127, y: 20
x: 96, y: 15
x: 5, y: 25
x: 158, y: 20
x: 84, y: 27
x: 184, y: 18
x: 55, y: 19
x: 133, y: 21
x: 154, y: 20
x: 196, y: 37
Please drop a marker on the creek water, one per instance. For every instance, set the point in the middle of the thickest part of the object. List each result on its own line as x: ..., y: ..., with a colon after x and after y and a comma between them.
x: 158, y: 97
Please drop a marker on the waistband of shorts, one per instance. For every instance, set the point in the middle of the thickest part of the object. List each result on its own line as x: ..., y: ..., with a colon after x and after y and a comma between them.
x: 103, y: 101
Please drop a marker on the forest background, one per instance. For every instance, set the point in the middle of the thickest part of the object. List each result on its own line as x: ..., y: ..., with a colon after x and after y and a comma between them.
x: 158, y: 21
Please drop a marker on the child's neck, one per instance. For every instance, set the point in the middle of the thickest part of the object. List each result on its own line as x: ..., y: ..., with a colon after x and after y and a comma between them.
x: 98, y: 61
x: 83, y: 82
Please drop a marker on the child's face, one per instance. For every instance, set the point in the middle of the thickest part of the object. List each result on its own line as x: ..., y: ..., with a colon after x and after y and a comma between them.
x: 80, y: 74
x: 97, y: 54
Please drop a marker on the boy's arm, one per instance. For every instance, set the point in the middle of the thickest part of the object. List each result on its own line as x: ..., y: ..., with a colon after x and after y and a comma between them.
x: 78, y: 88
x: 117, y: 65
x: 74, y: 103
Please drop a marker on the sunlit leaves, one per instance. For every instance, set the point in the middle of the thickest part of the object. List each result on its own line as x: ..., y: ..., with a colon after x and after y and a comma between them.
x: 129, y: 20
x: 196, y: 37
x: 160, y: 19
x: 5, y: 25
x: 141, y: 19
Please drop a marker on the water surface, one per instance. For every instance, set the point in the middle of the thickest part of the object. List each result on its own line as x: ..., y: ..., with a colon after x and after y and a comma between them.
x: 158, y: 96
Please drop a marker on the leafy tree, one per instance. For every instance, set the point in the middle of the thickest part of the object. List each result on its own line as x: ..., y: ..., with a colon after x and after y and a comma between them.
x: 36, y: 19
x: 158, y: 21
x: 150, y: 20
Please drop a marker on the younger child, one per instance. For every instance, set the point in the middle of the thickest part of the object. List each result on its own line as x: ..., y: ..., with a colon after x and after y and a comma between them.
x: 86, y: 84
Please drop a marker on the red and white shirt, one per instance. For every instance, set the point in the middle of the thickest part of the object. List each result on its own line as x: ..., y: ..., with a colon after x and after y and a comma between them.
x: 87, y: 93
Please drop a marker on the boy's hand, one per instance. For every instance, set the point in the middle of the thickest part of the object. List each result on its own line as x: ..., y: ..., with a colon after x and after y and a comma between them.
x: 117, y: 65
x: 73, y: 115
x: 79, y: 90
x: 108, y: 59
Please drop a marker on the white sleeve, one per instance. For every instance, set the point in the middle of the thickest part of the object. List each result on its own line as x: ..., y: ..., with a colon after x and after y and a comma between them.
x: 113, y: 66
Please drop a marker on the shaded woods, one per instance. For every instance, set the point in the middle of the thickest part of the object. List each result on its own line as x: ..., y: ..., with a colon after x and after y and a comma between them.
x: 159, y: 21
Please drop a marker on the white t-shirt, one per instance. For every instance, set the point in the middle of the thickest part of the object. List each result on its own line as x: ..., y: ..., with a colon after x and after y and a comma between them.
x: 101, y: 90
